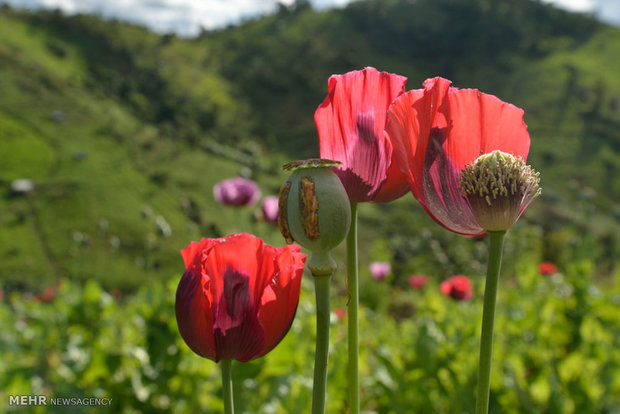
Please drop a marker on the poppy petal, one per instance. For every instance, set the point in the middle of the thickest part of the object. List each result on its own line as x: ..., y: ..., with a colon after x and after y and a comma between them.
x: 395, y: 184
x: 237, y: 331
x: 235, y: 274
x: 194, y: 318
x: 441, y: 191
x: 481, y: 123
x: 280, y: 298
x: 350, y: 124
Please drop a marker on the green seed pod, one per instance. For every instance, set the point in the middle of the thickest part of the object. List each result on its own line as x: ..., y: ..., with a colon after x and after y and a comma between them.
x: 314, y: 211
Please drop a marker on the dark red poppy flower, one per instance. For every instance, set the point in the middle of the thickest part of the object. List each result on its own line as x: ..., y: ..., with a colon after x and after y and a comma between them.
x: 417, y: 282
x: 238, y: 296
x: 351, y: 122
x: 547, y: 269
x: 237, y: 192
x: 438, y: 131
x: 457, y: 287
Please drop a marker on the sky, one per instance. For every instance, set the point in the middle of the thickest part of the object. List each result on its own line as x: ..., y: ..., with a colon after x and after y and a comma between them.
x: 188, y: 17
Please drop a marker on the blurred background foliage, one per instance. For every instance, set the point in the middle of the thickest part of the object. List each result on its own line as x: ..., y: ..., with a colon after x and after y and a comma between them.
x: 557, y: 350
x: 124, y: 133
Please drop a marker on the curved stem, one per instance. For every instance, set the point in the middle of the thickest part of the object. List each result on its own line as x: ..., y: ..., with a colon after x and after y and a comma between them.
x: 319, y: 388
x: 227, y: 386
x: 496, y: 246
x: 352, y: 315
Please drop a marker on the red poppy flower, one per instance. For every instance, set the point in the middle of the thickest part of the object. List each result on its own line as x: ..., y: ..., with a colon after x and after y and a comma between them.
x: 547, y: 269
x: 351, y: 122
x: 340, y: 313
x: 47, y: 295
x: 457, y: 287
x: 417, y: 282
x: 238, y: 296
x: 437, y: 131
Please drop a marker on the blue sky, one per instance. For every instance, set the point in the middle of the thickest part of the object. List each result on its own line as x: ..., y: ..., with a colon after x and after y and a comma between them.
x: 186, y: 17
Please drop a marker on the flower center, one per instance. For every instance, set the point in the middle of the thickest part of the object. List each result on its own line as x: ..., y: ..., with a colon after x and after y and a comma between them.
x: 499, y: 187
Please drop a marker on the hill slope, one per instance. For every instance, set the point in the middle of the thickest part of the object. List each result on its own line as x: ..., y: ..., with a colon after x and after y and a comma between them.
x: 125, y: 132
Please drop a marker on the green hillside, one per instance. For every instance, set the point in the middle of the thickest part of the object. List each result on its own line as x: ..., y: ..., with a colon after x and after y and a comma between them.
x: 124, y: 132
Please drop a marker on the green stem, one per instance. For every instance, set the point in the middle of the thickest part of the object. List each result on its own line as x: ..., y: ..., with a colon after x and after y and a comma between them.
x: 352, y: 315
x: 496, y: 246
x: 321, y: 288
x: 227, y: 386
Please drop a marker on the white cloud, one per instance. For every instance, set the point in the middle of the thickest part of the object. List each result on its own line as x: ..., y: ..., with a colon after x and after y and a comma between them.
x: 606, y: 10
x: 609, y: 11
x: 187, y: 17
x: 581, y: 6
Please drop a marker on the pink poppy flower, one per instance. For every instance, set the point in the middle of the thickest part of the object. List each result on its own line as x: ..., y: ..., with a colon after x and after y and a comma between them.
x: 380, y: 270
x: 236, y: 192
x: 351, y: 122
x: 438, y: 131
x: 270, y: 209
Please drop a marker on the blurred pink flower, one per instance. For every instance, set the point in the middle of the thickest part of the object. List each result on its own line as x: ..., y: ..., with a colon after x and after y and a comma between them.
x: 457, y: 287
x: 547, y: 269
x: 417, y: 282
x: 236, y: 192
x: 270, y: 209
x: 380, y: 270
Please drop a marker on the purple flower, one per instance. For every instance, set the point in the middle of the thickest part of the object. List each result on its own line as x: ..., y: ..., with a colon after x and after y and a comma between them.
x: 270, y: 209
x: 379, y: 270
x: 236, y: 191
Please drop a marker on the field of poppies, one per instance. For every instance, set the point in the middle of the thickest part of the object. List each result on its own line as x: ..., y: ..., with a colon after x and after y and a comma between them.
x: 557, y: 349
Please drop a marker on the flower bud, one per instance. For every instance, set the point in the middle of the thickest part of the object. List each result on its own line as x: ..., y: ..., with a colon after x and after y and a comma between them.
x: 499, y: 187
x: 314, y: 211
